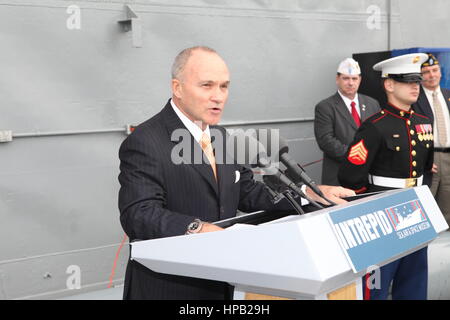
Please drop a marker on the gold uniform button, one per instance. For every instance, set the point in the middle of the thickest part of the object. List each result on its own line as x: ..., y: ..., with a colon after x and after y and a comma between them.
x: 413, y: 143
x: 412, y: 132
x: 382, y: 112
x: 414, y: 174
x: 414, y: 163
x: 428, y: 146
x: 414, y: 153
x: 408, y: 122
x: 397, y: 148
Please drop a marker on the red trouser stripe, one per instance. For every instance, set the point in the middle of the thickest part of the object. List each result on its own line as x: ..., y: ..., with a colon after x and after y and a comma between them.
x: 367, y: 289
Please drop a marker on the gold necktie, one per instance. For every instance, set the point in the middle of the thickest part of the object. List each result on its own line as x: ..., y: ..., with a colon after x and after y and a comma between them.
x: 440, y: 120
x: 208, y: 150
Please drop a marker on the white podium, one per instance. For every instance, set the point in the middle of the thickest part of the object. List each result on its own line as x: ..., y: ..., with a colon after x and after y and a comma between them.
x: 298, y: 257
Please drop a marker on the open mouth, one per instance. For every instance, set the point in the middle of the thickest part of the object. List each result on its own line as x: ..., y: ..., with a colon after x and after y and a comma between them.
x: 216, y: 110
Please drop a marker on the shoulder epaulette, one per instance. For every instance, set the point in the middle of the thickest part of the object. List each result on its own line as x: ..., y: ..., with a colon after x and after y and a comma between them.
x: 378, y: 116
x: 421, y: 115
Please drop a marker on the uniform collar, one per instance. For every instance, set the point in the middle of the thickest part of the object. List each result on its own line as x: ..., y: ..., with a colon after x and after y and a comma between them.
x: 398, y: 112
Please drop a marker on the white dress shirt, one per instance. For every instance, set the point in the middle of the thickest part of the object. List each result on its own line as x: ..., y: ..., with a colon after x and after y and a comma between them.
x: 194, y: 129
x: 348, y: 102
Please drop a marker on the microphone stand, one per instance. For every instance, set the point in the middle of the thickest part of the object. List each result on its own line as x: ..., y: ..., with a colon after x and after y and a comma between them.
x: 274, y: 189
x: 311, y: 184
x: 294, y: 203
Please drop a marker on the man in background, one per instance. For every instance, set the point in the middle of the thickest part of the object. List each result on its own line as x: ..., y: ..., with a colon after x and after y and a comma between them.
x: 338, y: 117
x: 434, y: 102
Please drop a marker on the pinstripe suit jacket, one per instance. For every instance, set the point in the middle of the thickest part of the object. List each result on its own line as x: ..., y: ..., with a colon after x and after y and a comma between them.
x: 159, y: 199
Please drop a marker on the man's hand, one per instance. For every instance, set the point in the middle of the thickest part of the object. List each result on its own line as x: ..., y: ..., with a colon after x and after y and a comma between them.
x: 209, y: 227
x: 333, y: 193
x: 435, y: 168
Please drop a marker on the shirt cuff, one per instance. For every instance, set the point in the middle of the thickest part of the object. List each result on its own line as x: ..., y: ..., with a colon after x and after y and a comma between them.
x: 304, y: 201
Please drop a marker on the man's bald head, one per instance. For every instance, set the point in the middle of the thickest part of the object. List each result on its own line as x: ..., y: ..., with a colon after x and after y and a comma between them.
x: 183, y: 57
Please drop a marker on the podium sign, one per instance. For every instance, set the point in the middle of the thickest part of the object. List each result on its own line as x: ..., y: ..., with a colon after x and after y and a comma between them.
x: 373, y: 232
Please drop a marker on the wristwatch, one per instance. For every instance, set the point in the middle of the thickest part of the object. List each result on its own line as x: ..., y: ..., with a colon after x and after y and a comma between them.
x: 194, y: 227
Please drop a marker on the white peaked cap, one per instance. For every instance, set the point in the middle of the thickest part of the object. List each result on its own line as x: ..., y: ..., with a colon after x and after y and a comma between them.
x: 405, y: 64
x: 349, y: 67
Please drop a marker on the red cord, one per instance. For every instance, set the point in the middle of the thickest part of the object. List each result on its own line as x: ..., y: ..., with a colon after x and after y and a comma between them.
x: 115, y: 261
x: 367, y: 289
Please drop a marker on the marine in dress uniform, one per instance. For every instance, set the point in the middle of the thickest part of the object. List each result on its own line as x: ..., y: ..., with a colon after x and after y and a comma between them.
x: 391, y: 150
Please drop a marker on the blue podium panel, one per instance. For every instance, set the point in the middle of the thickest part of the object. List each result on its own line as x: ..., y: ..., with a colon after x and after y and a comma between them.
x: 376, y: 231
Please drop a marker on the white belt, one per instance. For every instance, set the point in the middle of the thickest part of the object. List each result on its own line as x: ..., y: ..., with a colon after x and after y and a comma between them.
x: 395, y: 182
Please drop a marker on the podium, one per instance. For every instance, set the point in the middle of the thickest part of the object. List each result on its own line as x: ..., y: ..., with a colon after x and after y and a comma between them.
x: 312, y: 256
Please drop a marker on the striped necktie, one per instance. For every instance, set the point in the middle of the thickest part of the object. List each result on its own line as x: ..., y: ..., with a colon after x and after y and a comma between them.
x: 440, y: 120
x: 208, y: 150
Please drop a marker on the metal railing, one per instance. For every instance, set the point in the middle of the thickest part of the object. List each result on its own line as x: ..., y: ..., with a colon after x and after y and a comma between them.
x: 9, y: 135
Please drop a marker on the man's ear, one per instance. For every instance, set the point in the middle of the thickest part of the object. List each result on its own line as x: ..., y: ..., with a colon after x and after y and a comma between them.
x: 337, y: 77
x: 176, y: 88
x: 389, y: 85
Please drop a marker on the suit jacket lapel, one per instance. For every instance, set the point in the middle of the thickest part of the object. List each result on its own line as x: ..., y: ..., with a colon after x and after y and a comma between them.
x: 362, y: 108
x: 342, y: 109
x: 446, y: 94
x: 425, y: 105
x: 194, y: 153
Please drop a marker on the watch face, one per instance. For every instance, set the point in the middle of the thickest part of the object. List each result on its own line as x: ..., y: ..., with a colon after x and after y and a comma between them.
x: 194, y: 226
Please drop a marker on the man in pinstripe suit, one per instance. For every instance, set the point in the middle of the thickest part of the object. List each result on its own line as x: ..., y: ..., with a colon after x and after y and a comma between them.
x: 159, y: 198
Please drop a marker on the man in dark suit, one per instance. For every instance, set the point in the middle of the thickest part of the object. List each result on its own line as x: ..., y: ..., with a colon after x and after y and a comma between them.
x: 338, y: 117
x: 161, y: 196
x: 434, y: 102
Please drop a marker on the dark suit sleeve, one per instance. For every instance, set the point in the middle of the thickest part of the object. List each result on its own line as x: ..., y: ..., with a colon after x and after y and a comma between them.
x: 446, y: 94
x: 142, y: 196
x: 354, y: 171
x: 252, y: 196
x: 324, y: 130
x: 255, y: 197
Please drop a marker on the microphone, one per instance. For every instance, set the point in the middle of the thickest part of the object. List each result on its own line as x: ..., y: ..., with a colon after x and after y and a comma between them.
x: 275, y: 186
x: 295, y: 170
x: 262, y: 160
x: 245, y: 149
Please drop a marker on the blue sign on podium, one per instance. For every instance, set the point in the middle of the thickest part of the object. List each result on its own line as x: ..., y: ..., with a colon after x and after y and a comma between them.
x: 375, y: 231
